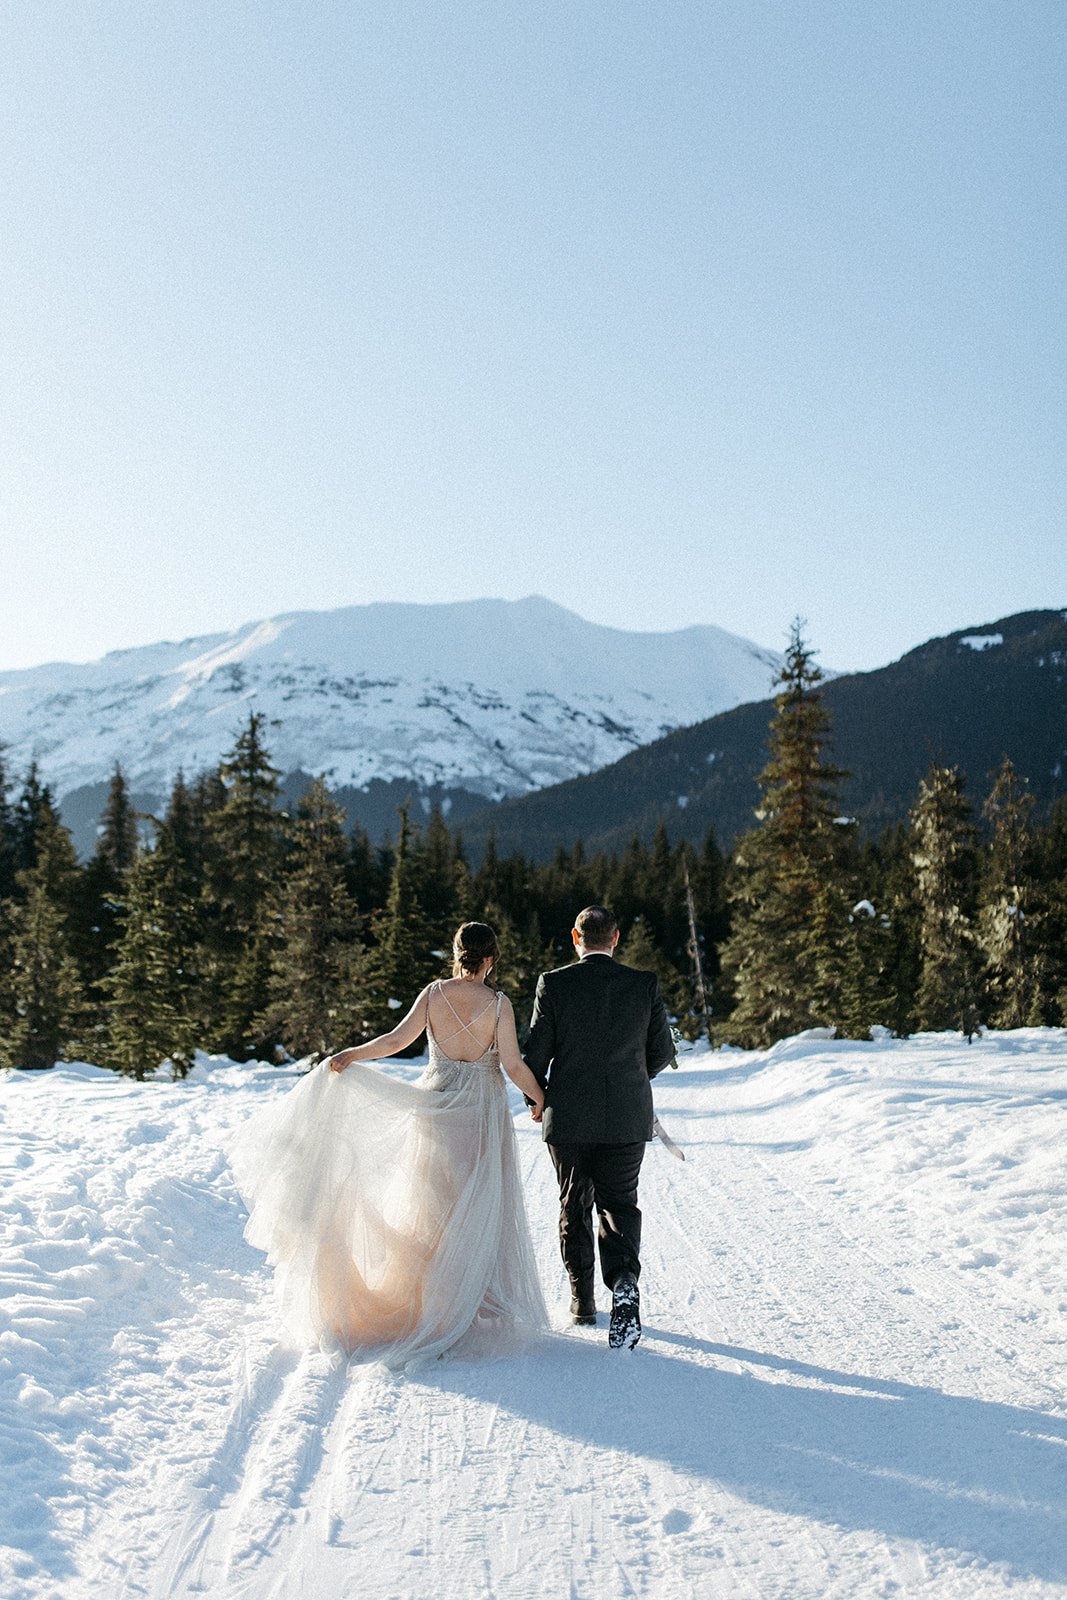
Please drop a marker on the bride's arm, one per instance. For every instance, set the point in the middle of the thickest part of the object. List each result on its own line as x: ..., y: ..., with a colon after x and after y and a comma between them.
x: 514, y: 1065
x: 386, y: 1044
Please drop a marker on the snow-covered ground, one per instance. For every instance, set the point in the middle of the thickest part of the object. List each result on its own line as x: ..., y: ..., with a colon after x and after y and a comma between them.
x: 851, y: 1381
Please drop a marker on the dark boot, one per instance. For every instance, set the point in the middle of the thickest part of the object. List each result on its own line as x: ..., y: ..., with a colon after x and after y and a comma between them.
x: 625, y: 1329
x: 583, y: 1302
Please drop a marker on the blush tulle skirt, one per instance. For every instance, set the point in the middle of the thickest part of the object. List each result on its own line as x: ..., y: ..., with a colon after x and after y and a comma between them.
x: 392, y: 1212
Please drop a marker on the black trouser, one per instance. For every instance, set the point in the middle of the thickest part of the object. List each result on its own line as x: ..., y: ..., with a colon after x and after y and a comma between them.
x: 604, y: 1175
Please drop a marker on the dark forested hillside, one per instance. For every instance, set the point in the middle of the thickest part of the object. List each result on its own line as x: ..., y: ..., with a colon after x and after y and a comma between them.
x: 967, y: 699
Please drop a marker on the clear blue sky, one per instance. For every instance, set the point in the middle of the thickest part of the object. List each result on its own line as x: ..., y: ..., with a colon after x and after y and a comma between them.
x: 673, y: 312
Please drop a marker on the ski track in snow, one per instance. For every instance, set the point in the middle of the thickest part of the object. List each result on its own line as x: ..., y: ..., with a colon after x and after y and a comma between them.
x: 850, y: 1383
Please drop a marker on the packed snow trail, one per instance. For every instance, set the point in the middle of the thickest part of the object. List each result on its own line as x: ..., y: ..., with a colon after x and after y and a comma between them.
x: 850, y: 1382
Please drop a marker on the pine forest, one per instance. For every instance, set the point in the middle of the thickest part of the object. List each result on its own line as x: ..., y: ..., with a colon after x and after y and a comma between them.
x: 232, y: 925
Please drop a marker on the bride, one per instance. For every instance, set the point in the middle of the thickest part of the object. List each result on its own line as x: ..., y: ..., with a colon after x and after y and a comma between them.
x: 391, y: 1211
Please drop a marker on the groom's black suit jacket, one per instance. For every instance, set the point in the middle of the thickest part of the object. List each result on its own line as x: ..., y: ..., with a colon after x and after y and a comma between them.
x: 599, y: 1033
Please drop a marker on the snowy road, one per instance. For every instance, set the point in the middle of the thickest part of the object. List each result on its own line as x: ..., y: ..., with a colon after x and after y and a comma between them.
x: 851, y: 1381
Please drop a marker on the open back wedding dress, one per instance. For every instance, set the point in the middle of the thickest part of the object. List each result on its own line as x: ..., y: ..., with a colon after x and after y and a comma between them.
x: 392, y: 1212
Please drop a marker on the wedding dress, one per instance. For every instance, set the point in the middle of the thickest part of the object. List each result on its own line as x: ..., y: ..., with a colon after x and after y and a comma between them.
x: 392, y: 1212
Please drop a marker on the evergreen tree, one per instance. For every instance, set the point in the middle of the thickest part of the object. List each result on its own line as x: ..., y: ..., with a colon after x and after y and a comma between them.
x: 94, y: 925
x: 658, y: 886
x: 625, y: 893
x: 1007, y: 918
x: 401, y: 961
x: 463, y: 881
x: 486, y: 887
x: 118, y: 840
x: 708, y: 876
x: 662, y: 902
x: 313, y: 1003
x: 887, y: 875
x: 1049, y: 854
x: 789, y: 906
x: 246, y: 852
x: 43, y: 982
x: 35, y: 811
x: 8, y: 845
x: 247, y: 829
x: 182, y: 850
x: 8, y: 835
x: 439, y: 881
x: 640, y: 950
x: 943, y: 854
x: 97, y: 905
x: 198, y: 806
x: 865, y: 976
x: 185, y: 833
x: 207, y: 797
x: 524, y: 955
x: 367, y: 873
x: 152, y: 1016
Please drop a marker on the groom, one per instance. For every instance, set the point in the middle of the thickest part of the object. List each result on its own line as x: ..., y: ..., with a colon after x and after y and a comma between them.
x: 598, y: 1035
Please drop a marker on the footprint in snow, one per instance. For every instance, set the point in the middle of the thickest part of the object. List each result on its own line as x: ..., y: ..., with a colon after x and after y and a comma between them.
x: 677, y: 1522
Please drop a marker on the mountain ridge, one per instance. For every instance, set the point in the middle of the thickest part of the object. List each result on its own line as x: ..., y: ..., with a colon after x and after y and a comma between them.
x: 463, y: 702
x: 967, y: 697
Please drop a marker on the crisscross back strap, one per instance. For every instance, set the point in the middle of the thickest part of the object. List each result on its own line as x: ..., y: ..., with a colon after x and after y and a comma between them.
x: 464, y: 1027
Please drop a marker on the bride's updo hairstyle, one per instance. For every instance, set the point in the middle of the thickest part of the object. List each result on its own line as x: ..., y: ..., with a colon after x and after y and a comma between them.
x: 472, y: 943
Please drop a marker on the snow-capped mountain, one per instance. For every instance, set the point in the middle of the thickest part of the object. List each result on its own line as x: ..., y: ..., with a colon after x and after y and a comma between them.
x: 490, y: 697
x: 966, y: 699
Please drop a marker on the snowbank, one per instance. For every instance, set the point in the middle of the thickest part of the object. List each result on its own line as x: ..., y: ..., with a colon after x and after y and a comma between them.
x: 851, y: 1380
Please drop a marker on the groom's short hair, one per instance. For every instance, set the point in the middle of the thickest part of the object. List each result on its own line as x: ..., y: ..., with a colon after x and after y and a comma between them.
x: 596, y: 927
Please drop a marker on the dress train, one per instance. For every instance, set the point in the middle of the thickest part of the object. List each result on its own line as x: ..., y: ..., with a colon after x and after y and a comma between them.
x: 392, y: 1212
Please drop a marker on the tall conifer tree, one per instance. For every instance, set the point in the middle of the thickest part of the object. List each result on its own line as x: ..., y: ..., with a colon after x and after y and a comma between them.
x: 1049, y: 854
x: 788, y: 904
x: 367, y: 876
x: 402, y: 959
x: 8, y: 835
x: 245, y: 859
x: 34, y: 810
x: 865, y: 973
x: 439, y: 880
x: 44, y: 987
x: 8, y: 866
x: 486, y: 887
x: 184, y: 829
x: 1007, y: 918
x: 463, y: 881
x: 152, y: 988
x: 888, y: 880
x: 98, y: 908
x: 626, y: 893
x: 524, y: 955
x: 313, y: 1002
x: 639, y: 949
x: 117, y: 841
x: 708, y: 874
x: 943, y: 852
x: 207, y: 797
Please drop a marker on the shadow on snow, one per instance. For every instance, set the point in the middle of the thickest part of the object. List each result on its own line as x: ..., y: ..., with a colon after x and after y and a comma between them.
x: 948, y: 1471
